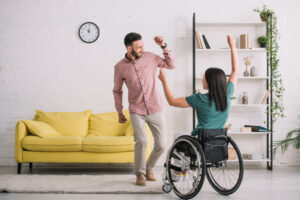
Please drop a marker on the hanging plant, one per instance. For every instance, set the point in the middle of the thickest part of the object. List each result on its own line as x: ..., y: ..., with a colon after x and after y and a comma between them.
x: 264, y: 13
x: 270, y: 18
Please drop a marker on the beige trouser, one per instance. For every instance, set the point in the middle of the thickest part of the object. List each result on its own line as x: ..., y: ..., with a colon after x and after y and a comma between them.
x: 156, y: 124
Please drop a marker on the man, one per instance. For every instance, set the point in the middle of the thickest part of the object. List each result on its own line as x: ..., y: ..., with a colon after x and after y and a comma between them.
x: 138, y: 71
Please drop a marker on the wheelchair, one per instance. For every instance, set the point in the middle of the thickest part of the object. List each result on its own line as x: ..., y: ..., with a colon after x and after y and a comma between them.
x: 191, y: 158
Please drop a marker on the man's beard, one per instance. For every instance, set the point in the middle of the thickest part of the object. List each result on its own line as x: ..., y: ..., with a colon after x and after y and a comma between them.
x: 134, y: 53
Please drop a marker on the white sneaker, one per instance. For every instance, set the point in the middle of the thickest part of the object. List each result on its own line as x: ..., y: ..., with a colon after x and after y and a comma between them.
x: 184, y: 175
x: 176, y: 177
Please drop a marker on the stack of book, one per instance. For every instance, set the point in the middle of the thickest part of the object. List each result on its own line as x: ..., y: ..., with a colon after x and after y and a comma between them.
x: 201, y: 41
x: 245, y: 41
x: 255, y: 128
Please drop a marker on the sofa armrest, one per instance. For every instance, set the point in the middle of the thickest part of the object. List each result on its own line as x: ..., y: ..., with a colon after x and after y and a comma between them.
x: 20, y: 133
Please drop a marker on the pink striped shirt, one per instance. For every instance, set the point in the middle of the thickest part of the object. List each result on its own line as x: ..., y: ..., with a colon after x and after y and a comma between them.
x: 140, y: 78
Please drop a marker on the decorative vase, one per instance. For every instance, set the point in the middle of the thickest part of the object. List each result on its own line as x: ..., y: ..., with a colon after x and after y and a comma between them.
x: 245, y: 98
x: 253, y: 71
x: 246, y: 72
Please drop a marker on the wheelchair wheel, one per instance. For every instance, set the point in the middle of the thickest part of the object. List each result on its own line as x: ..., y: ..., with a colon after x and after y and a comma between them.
x: 226, y: 176
x: 185, y: 167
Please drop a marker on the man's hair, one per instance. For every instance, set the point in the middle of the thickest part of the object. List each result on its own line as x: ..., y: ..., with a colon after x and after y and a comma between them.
x: 131, y: 37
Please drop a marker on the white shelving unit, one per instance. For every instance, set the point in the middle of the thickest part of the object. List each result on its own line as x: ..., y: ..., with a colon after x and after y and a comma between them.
x: 215, y: 33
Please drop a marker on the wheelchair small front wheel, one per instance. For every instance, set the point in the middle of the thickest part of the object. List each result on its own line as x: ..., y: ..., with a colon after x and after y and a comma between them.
x: 167, y: 188
x: 226, y: 176
x: 185, y: 167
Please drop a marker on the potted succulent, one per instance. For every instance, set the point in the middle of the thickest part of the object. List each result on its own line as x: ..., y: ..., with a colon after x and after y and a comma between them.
x: 262, y: 40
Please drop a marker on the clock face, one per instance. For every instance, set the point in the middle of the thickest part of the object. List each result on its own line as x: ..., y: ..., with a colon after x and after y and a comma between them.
x: 89, y: 32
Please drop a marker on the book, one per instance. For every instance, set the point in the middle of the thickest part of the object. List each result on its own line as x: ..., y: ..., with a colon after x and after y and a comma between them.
x: 248, y: 41
x: 243, y: 41
x: 205, y: 42
x: 198, y: 42
x: 255, y: 128
x: 265, y: 97
x: 202, y: 41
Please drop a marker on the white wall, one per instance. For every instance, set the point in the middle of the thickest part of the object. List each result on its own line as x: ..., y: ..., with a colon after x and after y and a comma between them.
x: 44, y: 65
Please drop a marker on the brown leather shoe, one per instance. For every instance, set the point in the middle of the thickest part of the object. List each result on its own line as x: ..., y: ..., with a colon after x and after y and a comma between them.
x: 150, y: 176
x: 140, y: 180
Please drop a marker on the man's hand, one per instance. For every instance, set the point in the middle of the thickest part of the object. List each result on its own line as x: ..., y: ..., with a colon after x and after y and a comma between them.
x: 122, y: 118
x: 159, y: 40
x: 162, y: 75
x: 231, y: 41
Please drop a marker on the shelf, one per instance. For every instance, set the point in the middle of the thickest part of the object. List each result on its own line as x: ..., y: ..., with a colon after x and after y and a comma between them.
x: 246, y: 78
x: 247, y: 160
x: 228, y: 50
x: 230, y: 24
x: 247, y: 133
x: 249, y: 105
x: 254, y: 78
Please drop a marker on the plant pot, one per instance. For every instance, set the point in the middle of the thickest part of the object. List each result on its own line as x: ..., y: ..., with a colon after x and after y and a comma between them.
x: 263, y: 45
x: 264, y: 18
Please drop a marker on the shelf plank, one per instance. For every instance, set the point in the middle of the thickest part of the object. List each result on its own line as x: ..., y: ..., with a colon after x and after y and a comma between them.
x: 247, y: 133
x: 231, y: 24
x: 247, y: 160
x: 254, y: 78
x: 249, y: 105
x: 228, y: 50
x: 247, y: 78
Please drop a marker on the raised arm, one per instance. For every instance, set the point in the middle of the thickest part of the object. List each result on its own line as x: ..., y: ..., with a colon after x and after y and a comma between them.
x: 168, y: 62
x: 234, y: 60
x: 177, y: 102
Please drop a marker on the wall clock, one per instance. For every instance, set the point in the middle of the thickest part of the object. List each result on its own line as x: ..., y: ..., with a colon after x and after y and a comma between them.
x: 89, y: 32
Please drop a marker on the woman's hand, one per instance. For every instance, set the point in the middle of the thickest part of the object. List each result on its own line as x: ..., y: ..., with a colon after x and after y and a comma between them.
x: 162, y: 75
x: 231, y: 41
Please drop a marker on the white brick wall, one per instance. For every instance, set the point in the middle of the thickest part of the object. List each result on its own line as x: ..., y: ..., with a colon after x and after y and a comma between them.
x: 44, y: 65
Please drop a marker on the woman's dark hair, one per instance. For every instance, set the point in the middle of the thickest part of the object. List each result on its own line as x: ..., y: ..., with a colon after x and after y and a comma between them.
x: 131, y: 37
x: 217, y: 87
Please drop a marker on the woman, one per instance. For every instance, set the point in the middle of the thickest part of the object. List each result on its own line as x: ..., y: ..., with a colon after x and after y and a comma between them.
x: 213, y: 107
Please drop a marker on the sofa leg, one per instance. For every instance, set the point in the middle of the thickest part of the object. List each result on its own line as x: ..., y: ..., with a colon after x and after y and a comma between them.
x: 19, y: 168
x: 30, y: 167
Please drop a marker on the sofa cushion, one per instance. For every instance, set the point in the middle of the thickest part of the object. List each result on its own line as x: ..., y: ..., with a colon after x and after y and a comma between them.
x: 40, y: 129
x: 52, y: 143
x: 108, y: 144
x: 66, y: 123
x: 107, y: 124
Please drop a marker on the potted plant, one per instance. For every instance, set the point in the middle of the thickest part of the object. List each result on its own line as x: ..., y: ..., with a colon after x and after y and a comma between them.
x: 264, y: 13
x: 262, y: 40
x: 292, y: 138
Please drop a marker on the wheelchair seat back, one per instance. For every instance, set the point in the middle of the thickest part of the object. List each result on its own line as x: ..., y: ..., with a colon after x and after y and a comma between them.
x: 214, y: 143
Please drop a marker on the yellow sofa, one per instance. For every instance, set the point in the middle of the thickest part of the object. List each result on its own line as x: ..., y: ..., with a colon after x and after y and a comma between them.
x: 75, y: 137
